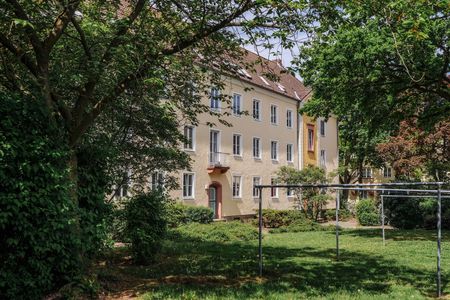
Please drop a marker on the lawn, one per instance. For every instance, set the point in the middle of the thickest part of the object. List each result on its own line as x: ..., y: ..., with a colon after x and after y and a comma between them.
x: 296, y: 266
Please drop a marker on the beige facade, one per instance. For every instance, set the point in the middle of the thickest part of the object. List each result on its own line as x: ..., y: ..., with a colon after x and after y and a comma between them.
x: 373, y: 175
x: 225, y: 160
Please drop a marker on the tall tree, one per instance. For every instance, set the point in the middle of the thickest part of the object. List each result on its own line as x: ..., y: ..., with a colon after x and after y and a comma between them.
x: 375, y: 63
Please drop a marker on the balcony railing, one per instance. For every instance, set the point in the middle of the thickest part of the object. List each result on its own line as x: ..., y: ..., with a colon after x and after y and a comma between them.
x: 218, y: 159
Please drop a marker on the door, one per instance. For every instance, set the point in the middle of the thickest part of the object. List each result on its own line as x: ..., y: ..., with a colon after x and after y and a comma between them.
x: 213, y: 200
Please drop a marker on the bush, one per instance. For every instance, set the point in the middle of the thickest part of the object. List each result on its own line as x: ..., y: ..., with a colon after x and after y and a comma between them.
x: 198, y: 214
x: 404, y: 213
x: 38, y: 238
x: 145, y: 225
x: 221, y: 232
x: 367, y: 212
x: 344, y: 214
x: 178, y: 214
x: 273, y: 218
x: 300, y: 225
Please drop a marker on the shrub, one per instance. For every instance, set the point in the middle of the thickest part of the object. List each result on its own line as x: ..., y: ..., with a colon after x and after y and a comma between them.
x: 38, y: 239
x: 404, y: 213
x: 344, y: 214
x: 198, y: 214
x: 367, y: 212
x: 299, y: 225
x: 273, y: 218
x: 175, y: 214
x: 234, y: 231
x: 145, y: 225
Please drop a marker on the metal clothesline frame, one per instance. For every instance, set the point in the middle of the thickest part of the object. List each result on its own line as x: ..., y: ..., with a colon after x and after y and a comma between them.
x: 380, y: 187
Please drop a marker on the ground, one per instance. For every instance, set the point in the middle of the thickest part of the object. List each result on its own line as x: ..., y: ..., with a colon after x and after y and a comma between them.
x: 296, y: 266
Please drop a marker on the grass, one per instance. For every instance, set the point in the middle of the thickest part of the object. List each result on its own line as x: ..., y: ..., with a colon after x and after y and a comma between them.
x: 296, y: 266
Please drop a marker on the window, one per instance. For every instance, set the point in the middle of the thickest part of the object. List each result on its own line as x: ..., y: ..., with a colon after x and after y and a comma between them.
x: 364, y: 194
x: 256, y: 110
x: 367, y: 173
x: 124, y: 187
x: 289, y: 152
x: 322, y: 127
x: 274, y: 150
x: 189, y: 138
x: 237, y: 186
x: 256, y: 147
x: 237, y: 146
x: 322, y: 158
x: 273, y: 114
x: 157, y: 181
x: 273, y: 191
x: 387, y: 172
x: 256, y: 181
x: 290, y: 192
x: 289, y: 118
x: 311, y: 138
x: 237, y: 105
x: 188, y: 185
x: 215, y: 99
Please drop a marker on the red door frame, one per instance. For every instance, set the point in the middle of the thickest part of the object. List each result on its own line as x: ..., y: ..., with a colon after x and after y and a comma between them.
x: 218, y: 187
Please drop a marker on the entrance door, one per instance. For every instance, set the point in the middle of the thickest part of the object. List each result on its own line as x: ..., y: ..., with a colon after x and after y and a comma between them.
x: 213, y: 200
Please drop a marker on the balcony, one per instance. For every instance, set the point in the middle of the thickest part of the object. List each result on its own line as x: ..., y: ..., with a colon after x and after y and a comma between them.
x: 218, y: 162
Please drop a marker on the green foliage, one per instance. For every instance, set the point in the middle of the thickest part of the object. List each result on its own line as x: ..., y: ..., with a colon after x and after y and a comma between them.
x: 344, y: 214
x: 198, y: 214
x: 39, y: 244
x: 300, y: 225
x: 312, y: 200
x: 367, y: 212
x: 220, y: 232
x: 146, y: 225
x: 178, y: 214
x: 273, y: 218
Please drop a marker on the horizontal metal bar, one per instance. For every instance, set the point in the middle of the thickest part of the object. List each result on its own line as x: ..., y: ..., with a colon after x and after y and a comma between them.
x: 414, y: 196
x: 384, y: 190
x: 330, y: 185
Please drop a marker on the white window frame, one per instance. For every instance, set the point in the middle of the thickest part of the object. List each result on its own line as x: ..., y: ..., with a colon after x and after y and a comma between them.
x: 239, y: 194
x: 259, y: 147
x: 290, y: 150
x: 274, y: 193
x: 272, y: 156
x: 311, y: 140
x: 237, y: 113
x: 290, y: 192
x: 274, y: 114
x: 255, y: 191
x: 215, y: 101
x: 323, y: 158
x: 159, y: 184
x: 259, y: 109
x: 387, y: 172
x: 322, y: 127
x: 289, y: 118
x: 367, y: 172
x: 119, y: 192
x: 192, y: 138
x: 192, y: 194
x: 240, y: 144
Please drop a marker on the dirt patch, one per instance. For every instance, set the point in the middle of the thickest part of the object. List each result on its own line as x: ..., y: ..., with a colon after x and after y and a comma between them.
x: 353, y: 224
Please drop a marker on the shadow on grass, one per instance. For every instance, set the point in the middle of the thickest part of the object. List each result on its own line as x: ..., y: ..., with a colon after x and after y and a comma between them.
x: 207, y: 269
x: 396, y: 234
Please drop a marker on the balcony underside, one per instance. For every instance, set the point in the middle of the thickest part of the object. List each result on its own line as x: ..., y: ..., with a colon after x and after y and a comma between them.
x: 217, y: 170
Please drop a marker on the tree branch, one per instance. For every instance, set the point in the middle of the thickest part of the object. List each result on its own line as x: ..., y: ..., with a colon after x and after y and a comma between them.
x: 82, y: 38
x: 19, y: 54
x: 60, y: 25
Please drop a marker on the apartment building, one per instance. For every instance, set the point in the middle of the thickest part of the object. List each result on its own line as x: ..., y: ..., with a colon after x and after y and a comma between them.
x: 227, y: 162
x: 372, y: 175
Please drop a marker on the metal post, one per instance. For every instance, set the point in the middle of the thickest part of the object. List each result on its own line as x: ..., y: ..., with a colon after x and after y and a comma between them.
x: 382, y: 218
x: 260, y: 233
x: 439, y: 242
x: 337, y: 224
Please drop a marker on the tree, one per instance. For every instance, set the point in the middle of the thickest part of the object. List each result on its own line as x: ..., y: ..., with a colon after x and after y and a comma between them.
x: 117, y: 79
x: 373, y: 64
x: 311, y: 200
x: 414, y: 151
